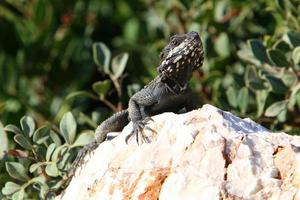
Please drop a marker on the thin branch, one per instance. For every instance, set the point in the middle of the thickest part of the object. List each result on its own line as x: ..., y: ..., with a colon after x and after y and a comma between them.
x: 109, y: 104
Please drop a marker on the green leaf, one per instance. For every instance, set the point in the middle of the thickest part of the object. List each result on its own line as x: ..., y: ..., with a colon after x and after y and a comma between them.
x: 278, y: 58
x: 41, y: 134
x: 4, y: 141
x: 261, y: 97
x: 84, y: 138
x: 294, y: 38
x: 246, y: 54
x: 296, y: 55
x: 52, y: 170
x: 119, y: 63
x: 16, y: 170
x: 282, y: 46
x: 243, y: 99
x: 10, y: 188
x: 220, y: 11
x: 19, y: 195
x: 282, y: 116
x: 62, y: 163
x: 232, y: 97
x: 101, y: 55
x: 50, y: 151
x: 253, y: 81
x: 222, y: 45
x: 68, y: 127
x: 293, y: 96
x: 289, y: 78
x: 258, y: 50
x: 80, y: 94
x: 27, y: 125
x: 13, y: 129
x: 101, y: 87
x: 277, y: 85
x: 35, y: 166
x: 55, y: 138
x: 276, y: 108
x: 58, y: 152
x: 23, y: 141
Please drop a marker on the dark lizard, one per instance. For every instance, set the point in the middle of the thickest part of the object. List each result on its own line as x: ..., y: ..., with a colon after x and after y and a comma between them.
x: 168, y: 92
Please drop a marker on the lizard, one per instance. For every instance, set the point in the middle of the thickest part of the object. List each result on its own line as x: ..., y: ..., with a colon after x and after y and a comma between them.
x: 167, y: 92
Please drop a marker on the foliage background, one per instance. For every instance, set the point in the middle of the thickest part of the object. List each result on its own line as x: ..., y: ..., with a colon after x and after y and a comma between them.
x: 46, y: 57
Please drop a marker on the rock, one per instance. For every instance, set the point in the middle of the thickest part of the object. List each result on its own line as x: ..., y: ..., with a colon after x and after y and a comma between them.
x: 204, y: 154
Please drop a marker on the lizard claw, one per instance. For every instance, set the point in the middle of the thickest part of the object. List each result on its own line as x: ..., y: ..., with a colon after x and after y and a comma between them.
x: 147, y: 119
x: 87, y: 149
x: 138, y: 131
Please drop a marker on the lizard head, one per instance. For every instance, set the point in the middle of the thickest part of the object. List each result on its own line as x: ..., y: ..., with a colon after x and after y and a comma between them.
x: 183, y: 51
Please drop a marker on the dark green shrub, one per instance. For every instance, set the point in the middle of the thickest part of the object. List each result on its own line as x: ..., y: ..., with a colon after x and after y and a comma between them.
x: 38, y: 165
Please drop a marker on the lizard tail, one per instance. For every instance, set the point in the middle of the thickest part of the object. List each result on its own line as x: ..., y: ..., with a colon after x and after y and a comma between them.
x: 115, y: 123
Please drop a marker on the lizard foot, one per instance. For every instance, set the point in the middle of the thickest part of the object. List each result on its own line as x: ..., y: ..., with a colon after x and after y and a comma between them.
x: 79, y: 161
x: 138, y: 131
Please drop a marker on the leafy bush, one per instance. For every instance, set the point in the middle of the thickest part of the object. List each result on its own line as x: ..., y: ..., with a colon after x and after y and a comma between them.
x: 50, y: 66
x: 44, y: 156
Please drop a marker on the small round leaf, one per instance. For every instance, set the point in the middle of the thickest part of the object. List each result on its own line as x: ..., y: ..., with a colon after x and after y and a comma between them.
x: 282, y: 46
x: 243, y: 99
x: 276, y: 108
x: 101, y: 87
x: 277, y: 85
x: 19, y: 195
x: 27, y: 125
x: 101, y: 55
x: 50, y: 151
x: 84, y: 138
x: 278, y: 58
x: 22, y: 141
x: 232, y: 97
x: 35, y: 166
x: 10, y: 188
x: 259, y: 50
x: 13, y: 129
x: 41, y: 134
x: 294, y: 38
x: 68, y: 127
x: 222, y: 45
x: 52, y: 170
x: 119, y: 63
x: 16, y: 170
x: 261, y: 97
x: 296, y: 55
x: 4, y: 141
x: 55, y: 138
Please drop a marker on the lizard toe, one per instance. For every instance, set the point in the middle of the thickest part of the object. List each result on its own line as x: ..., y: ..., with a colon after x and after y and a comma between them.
x: 138, y: 132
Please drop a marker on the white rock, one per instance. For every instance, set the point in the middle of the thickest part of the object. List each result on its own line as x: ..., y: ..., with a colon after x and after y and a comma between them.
x: 203, y: 154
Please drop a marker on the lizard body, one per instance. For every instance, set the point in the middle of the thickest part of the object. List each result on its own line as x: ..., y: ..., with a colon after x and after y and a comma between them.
x: 168, y: 92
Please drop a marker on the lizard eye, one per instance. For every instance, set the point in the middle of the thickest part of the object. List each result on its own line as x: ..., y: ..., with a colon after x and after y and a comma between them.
x: 161, y: 55
x: 174, y: 42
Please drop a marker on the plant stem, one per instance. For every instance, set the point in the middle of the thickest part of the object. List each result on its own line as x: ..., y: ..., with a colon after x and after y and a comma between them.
x: 109, y: 104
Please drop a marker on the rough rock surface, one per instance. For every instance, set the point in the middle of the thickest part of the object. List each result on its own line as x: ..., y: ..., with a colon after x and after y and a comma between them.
x: 203, y: 154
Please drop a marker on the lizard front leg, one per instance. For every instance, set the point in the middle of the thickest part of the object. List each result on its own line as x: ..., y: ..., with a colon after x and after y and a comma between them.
x: 138, y: 116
